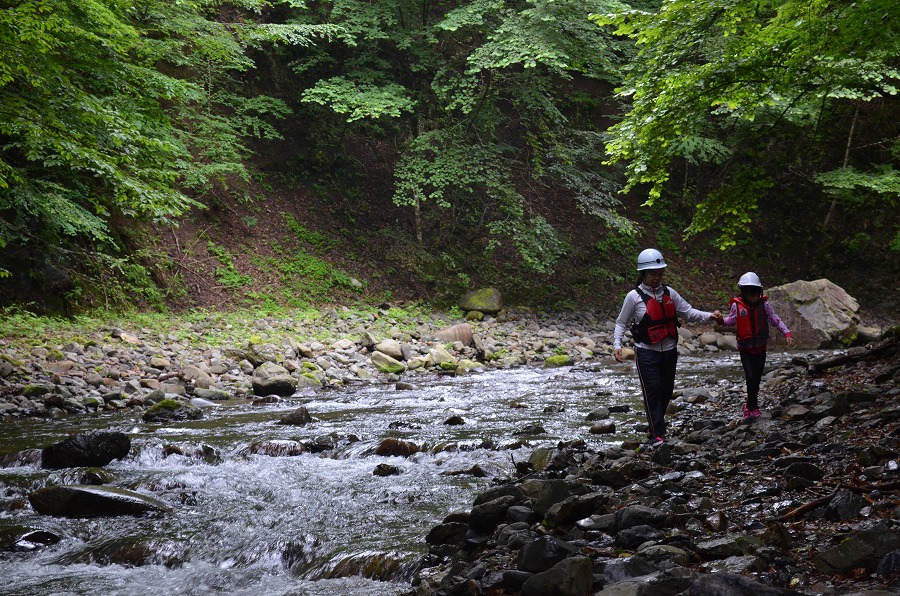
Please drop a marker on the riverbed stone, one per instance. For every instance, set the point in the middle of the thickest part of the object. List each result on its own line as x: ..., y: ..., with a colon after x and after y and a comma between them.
x: 86, y: 449
x: 92, y: 501
x: 572, y: 576
x: 862, y: 549
x: 273, y: 379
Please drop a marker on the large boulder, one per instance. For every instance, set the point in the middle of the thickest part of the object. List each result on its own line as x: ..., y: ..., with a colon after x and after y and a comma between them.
x: 486, y: 300
x: 272, y: 379
x: 819, y: 314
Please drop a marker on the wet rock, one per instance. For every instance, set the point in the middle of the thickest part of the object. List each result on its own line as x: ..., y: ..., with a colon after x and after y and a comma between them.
x: 92, y: 501
x: 486, y: 516
x: 638, y: 515
x: 278, y: 448
x: 85, y: 450
x: 169, y: 410
x: 543, y: 553
x: 448, y: 533
x: 732, y: 584
x: 298, y: 417
x: 863, y: 549
x: 576, y: 507
x: 386, y: 470
x: 889, y: 565
x: 633, y: 537
x: 845, y: 505
x: 396, y: 447
x: 570, y: 577
x: 804, y: 470
x: 603, y: 427
x: 549, y: 492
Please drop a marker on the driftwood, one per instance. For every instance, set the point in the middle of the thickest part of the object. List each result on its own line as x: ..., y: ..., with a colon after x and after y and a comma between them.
x: 884, y: 347
x: 889, y: 487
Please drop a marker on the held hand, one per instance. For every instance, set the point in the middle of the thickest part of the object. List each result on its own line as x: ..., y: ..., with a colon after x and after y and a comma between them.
x: 717, y: 317
x: 618, y: 355
x: 791, y: 342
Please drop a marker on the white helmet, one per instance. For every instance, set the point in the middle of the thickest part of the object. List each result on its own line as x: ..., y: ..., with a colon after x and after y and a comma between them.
x: 749, y: 279
x: 650, y: 258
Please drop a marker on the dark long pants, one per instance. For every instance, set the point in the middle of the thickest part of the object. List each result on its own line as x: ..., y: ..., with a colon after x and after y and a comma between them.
x: 656, y: 370
x: 754, y: 364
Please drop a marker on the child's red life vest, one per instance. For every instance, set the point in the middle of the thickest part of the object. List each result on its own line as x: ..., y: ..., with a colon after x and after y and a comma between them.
x: 659, y: 322
x: 752, y: 323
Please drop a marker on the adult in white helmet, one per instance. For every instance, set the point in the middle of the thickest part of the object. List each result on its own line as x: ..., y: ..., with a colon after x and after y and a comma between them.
x: 651, y: 311
x: 753, y: 315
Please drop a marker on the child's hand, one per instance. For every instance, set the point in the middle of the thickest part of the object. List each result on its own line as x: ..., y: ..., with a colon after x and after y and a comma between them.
x: 791, y: 342
x: 717, y: 317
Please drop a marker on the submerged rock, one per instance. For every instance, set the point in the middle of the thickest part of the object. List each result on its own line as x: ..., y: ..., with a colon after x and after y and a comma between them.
x: 92, y: 501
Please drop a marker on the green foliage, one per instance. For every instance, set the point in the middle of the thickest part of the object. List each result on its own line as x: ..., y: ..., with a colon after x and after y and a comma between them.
x: 227, y: 274
x: 112, y: 109
x: 314, y: 239
x: 536, y: 241
x: 357, y: 101
x: 458, y: 86
x: 305, y: 279
x: 443, y: 167
x: 713, y: 81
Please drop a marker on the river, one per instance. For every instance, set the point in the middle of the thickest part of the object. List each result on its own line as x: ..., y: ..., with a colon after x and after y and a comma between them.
x: 315, y: 523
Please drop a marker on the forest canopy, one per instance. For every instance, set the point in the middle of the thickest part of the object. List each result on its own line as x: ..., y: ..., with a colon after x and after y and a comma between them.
x: 496, y: 121
x: 737, y: 83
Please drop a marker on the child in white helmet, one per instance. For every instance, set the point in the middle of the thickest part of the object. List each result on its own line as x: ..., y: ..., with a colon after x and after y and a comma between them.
x: 651, y: 310
x: 752, y: 315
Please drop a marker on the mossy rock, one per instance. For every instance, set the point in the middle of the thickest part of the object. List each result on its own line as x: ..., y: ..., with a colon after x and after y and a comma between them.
x: 12, y: 360
x: 169, y: 409
x: 558, y: 360
x: 35, y: 390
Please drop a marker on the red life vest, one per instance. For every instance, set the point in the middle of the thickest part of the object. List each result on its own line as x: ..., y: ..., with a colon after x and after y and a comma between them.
x: 752, y: 323
x: 659, y: 322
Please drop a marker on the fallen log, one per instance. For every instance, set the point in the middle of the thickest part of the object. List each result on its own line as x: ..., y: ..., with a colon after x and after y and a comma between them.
x: 883, y: 348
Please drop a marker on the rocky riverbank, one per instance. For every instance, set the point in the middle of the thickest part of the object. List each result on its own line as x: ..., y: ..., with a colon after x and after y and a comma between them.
x: 801, y: 501
x: 117, y: 368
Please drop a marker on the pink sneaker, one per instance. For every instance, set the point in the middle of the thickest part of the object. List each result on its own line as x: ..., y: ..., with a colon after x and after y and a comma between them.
x: 748, y: 414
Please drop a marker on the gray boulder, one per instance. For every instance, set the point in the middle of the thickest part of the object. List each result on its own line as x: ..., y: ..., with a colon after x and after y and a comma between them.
x: 819, y: 313
x: 272, y: 379
x: 570, y: 577
x: 863, y: 549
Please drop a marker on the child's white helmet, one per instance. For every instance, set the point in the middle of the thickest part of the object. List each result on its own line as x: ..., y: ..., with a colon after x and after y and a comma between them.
x: 650, y: 258
x: 749, y: 279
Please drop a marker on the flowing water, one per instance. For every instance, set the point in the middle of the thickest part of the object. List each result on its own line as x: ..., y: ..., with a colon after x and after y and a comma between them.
x: 314, y: 523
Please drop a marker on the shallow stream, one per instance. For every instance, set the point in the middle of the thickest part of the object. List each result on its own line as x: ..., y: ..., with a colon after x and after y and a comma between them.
x: 314, y: 523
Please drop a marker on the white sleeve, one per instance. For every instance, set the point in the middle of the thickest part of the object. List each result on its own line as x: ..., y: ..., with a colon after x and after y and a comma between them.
x: 624, y: 319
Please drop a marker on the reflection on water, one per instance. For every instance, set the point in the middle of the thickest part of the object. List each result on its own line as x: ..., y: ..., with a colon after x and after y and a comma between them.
x: 316, y: 523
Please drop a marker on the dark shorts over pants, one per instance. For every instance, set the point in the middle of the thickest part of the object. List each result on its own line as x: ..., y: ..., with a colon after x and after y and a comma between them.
x: 656, y: 370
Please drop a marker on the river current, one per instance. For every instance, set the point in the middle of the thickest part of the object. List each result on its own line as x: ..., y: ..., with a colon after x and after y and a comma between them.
x: 314, y: 523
